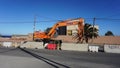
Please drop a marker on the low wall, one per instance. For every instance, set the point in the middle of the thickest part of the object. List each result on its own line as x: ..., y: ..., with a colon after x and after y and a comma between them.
x: 112, y: 48
x: 65, y: 46
x: 38, y: 45
x: 74, y: 47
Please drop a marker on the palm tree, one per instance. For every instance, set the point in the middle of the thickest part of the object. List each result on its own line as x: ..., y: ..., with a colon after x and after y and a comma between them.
x: 88, y: 33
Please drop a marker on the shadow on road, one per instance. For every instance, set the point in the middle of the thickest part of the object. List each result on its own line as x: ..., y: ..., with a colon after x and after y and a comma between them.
x: 48, y: 61
x: 8, y: 50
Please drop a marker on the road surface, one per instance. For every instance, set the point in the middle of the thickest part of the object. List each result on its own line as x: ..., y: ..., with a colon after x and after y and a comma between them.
x: 41, y: 58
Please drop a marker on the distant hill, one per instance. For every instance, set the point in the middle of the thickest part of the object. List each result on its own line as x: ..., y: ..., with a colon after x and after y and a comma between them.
x: 6, y: 36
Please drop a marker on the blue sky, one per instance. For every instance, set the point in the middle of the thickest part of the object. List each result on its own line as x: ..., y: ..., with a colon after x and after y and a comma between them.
x: 17, y: 16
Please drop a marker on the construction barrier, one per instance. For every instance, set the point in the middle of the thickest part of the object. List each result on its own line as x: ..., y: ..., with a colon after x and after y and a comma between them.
x: 96, y: 48
x: 7, y: 44
x: 52, y: 46
x: 93, y: 48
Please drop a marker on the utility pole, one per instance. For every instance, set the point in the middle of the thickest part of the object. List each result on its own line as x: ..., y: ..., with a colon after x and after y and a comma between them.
x: 34, y: 26
x: 93, y: 29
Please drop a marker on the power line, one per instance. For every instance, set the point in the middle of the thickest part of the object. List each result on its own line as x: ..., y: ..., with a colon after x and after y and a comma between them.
x: 17, y: 22
x: 47, y: 21
x: 112, y: 15
x: 107, y: 19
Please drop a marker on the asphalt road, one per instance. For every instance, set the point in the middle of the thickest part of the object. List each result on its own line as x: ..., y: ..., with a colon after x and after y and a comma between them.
x: 34, y: 58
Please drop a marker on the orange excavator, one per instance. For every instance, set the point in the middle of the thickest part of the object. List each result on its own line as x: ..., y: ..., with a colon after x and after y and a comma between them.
x: 50, y: 34
x: 47, y: 37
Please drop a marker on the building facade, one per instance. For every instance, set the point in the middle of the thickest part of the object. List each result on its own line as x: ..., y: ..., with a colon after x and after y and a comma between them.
x: 70, y: 30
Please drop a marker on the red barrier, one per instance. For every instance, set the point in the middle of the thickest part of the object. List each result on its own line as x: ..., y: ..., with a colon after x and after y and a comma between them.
x: 52, y: 46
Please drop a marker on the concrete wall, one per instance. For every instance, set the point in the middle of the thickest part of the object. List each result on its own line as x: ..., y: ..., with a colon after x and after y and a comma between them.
x: 16, y: 44
x: 74, y: 47
x: 0, y: 43
x: 112, y: 48
x: 38, y: 45
x: 65, y: 46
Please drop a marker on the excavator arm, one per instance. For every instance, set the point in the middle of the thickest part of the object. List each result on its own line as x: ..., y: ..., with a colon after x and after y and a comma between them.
x: 79, y: 22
